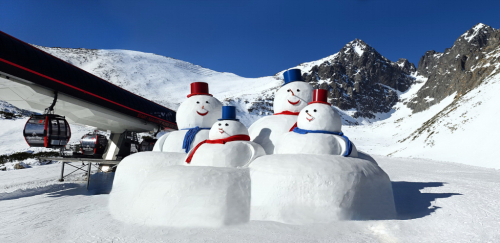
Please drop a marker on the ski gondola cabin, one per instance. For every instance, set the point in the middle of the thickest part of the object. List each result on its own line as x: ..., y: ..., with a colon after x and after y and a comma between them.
x: 49, y: 131
x: 93, y: 145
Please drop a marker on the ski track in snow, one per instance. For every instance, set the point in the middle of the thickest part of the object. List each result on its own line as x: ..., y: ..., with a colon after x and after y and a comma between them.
x: 436, y: 201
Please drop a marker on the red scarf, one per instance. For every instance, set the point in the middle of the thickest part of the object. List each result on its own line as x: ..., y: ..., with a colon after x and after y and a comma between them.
x: 239, y: 137
x: 289, y: 113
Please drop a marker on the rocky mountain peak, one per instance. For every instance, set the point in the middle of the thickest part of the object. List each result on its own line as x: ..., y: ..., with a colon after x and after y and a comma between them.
x: 459, y: 68
x: 360, y: 78
x: 473, y: 39
x: 477, y: 33
x: 358, y: 47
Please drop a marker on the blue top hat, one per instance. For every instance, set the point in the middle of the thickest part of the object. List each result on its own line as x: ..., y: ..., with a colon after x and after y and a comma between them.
x: 292, y: 75
x: 228, y: 113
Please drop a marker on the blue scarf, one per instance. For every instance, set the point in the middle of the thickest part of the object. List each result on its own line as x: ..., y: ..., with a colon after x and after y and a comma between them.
x: 349, y: 144
x: 189, y: 137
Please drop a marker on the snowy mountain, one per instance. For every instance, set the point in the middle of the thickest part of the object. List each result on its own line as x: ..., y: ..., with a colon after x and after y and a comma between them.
x: 432, y: 111
x: 362, y: 83
x: 360, y: 79
x: 7, y: 110
x: 460, y: 68
x: 163, y: 80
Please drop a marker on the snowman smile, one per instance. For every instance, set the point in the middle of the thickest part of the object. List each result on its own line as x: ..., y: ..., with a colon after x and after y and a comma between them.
x: 201, y: 114
x: 311, y: 117
x: 294, y: 103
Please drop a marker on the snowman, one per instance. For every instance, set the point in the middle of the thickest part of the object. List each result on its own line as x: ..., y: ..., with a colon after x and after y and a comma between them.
x: 318, y: 131
x: 194, y: 118
x: 288, y: 101
x: 228, y: 146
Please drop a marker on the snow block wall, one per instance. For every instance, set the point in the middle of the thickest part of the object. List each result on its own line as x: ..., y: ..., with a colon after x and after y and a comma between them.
x: 304, y: 189
x: 134, y: 170
x: 182, y: 196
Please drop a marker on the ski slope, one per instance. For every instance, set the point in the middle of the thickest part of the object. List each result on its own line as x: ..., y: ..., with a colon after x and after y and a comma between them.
x: 462, y: 130
x: 436, y: 202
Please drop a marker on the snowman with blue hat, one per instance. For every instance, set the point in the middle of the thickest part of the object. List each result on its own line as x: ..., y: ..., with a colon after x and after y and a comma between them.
x: 316, y: 174
x: 228, y: 144
x: 318, y: 131
x: 194, y: 118
x: 289, y: 100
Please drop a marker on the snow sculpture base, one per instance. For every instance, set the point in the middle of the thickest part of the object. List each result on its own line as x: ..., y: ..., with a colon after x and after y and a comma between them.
x: 185, y: 196
x: 135, y: 168
x: 304, y: 189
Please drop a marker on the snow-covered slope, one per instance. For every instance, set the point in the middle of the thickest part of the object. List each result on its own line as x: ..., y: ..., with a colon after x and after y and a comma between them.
x: 462, y: 130
x: 161, y: 79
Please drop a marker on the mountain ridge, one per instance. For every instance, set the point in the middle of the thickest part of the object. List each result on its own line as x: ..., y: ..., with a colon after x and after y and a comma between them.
x: 394, y: 102
x: 459, y: 68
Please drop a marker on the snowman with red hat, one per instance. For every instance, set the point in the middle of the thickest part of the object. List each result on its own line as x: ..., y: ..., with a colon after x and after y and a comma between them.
x: 318, y: 131
x: 194, y: 118
x: 228, y: 144
x: 289, y: 100
x: 316, y: 175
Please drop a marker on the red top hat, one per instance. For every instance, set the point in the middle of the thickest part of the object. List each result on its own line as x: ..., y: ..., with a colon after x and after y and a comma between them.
x: 199, y: 88
x: 320, y: 96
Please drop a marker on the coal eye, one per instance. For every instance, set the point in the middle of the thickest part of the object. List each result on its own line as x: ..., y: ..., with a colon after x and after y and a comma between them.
x: 227, y: 124
x: 220, y: 124
x: 314, y: 110
x: 298, y: 90
x: 288, y: 91
x: 207, y: 102
x: 197, y: 102
x: 307, y: 111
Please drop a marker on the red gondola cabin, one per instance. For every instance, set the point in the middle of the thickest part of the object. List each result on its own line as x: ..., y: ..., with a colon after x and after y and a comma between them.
x: 49, y: 131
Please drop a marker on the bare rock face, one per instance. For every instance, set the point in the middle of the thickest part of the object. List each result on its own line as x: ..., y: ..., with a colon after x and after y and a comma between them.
x: 459, y: 69
x: 360, y: 78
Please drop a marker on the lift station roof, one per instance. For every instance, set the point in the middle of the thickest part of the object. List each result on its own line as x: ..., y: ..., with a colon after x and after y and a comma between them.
x: 29, y: 77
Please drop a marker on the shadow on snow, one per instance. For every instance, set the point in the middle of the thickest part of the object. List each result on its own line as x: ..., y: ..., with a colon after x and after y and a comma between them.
x: 411, y: 203
x: 100, y: 183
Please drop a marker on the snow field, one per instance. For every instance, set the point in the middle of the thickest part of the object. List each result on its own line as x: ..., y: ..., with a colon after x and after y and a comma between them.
x: 435, y: 201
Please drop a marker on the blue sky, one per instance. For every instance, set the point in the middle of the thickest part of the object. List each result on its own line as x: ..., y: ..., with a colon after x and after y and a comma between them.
x: 249, y: 38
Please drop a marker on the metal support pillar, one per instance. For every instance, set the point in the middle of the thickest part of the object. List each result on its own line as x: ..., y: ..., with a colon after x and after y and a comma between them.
x: 113, y: 147
x: 61, y: 179
x: 88, y: 174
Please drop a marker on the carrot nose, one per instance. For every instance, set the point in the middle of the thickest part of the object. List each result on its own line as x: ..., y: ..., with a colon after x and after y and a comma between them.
x: 202, y: 107
x: 292, y: 92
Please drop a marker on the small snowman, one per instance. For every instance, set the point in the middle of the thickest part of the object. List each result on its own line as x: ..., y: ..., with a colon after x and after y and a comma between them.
x: 194, y: 118
x: 318, y: 131
x: 288, y: 102
x: 228, y: 146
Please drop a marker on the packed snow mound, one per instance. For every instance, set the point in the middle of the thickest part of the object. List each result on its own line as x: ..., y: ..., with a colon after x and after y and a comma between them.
x: 182, y: 196
x: 306, y: 189
x: 131, y: 174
